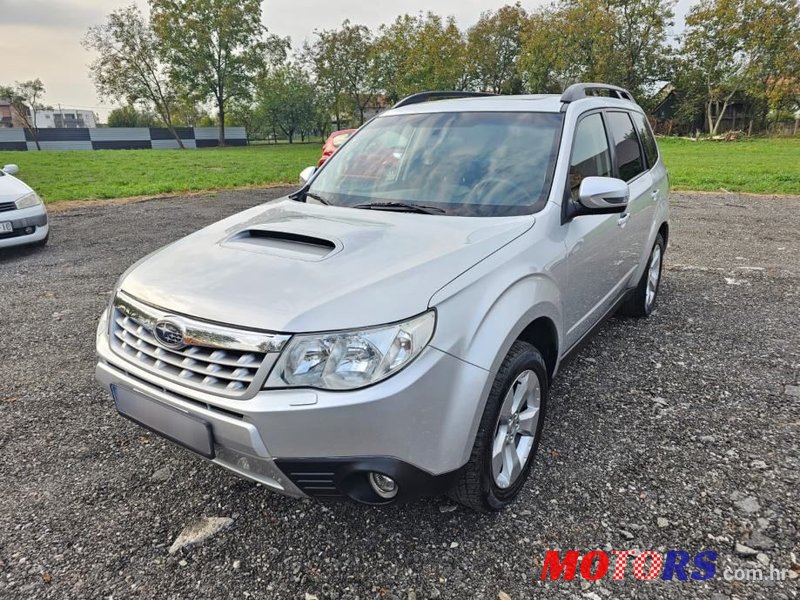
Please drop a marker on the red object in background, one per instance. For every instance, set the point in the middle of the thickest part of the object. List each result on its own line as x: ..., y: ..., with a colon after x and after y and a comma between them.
x: 336, y: 139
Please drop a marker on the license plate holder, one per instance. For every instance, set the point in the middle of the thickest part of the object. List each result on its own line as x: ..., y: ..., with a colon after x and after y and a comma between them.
x: 177, y: 426
x: 6, y: 227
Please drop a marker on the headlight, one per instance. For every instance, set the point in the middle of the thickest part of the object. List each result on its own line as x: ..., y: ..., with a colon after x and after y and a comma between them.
x: 29, y: 200
x: 348, y: 360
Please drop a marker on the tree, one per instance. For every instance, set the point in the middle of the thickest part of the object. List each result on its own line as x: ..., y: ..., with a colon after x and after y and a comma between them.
x: 128, y: 67
x: 493, y: 49
x: 713, y: 63
x: 129, y: 116
x: 738, y: 48
x: 286, y: 101
x: 215, y: 48
x: 771, y: 43
x: 342, y: 61
x: 621, y: 42
x: 418, y: 53
x: 187, y: 113
x: 641, y: 53
x: 25, y: 99
x: 542, y: 66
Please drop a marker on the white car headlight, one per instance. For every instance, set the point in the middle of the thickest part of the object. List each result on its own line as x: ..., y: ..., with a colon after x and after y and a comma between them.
x: 347, y: 360
x: 29, y: 200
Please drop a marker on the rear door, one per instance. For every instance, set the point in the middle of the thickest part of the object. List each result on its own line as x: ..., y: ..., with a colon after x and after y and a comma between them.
x: 630, y: 165
x: 659, y: 186
x: 596, y: 244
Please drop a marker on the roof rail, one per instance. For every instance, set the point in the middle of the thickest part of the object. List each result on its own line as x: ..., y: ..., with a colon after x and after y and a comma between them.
x: 427, y: 96
x: 578, y: 91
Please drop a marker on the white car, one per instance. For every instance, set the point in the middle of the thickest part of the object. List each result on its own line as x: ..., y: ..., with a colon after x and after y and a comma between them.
x: 23, y: 216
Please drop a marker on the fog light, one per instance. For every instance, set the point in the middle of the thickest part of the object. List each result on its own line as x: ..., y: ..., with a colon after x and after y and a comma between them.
x: 28, y: 230
x: 383, y: 485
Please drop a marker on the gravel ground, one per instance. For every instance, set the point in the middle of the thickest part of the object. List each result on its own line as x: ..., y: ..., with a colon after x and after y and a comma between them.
x: 675, y: 432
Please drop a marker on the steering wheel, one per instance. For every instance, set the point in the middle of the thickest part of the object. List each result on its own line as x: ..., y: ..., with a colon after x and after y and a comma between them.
x: 492, y: 186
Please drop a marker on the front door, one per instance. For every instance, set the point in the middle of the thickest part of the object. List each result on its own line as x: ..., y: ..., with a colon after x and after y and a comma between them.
x: 596, y: 244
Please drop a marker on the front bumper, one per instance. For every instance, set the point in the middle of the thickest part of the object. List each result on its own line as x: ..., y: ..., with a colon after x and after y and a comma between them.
x: 30, y: 225
x: 417, y: 426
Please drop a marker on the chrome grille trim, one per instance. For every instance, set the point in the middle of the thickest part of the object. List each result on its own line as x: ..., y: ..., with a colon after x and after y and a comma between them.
x: 225, y: 361
x: 199, y: 333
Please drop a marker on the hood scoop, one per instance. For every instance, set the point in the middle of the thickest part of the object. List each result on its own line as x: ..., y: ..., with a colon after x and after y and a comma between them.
x: 282, y: 243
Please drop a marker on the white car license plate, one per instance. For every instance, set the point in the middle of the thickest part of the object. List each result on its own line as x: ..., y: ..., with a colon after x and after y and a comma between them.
x: 5, y: 227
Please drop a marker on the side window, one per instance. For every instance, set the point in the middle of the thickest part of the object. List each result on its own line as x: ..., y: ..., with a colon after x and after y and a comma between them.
x: 626, y: 143
x: 590, y: 153
x: 648, y: 140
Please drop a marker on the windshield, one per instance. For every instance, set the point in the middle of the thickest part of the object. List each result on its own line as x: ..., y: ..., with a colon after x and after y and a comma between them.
x: 467, y: 164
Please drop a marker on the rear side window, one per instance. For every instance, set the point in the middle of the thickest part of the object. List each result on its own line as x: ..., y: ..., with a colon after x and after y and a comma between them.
x: 648, y: 140
x: 626, y: 143
x: 590, y: 153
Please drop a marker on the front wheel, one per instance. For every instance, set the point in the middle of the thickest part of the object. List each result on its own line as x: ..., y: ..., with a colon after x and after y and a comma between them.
x: 643, y: 300
x: 508, y: 434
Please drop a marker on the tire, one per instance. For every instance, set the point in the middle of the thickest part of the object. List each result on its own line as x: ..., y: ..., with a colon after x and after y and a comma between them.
x: 477, y: 487
x: 641, y: 304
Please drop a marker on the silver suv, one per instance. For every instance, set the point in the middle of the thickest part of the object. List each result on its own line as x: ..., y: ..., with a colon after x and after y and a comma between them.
x: 392, y: 328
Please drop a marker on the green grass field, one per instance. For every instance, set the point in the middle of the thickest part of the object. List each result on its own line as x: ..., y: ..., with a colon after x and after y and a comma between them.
x: 79, y: 175
x: 760, y: 166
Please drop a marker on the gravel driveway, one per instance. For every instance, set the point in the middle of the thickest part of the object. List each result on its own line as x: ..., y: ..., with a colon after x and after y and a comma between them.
x: 678, y: 432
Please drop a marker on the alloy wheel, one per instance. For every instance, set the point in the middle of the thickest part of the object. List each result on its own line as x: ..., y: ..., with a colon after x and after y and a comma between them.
x: 653, y: 277
x: 516, y: 429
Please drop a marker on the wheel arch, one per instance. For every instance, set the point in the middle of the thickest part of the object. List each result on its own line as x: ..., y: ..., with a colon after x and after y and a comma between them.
x: 542, y: 334
x: 664, y: 232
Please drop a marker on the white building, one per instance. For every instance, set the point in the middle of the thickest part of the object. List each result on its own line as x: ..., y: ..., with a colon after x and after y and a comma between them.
x: 67, y: 118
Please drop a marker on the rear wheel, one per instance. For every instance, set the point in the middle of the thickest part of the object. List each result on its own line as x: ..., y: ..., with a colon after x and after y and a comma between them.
x: 643, y: 300
x: 508, y: 435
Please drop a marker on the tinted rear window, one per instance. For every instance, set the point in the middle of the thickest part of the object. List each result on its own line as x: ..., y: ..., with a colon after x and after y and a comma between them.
x: 648, y: 140
x: 626, y: 141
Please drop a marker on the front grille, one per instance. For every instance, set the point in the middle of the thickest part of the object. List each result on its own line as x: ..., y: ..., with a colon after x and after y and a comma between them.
x: 230, y: 370
x: 7, y: 206
x: 226, y: 370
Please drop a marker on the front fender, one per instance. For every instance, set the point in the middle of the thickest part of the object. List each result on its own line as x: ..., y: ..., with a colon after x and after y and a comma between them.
x: 479, y: 327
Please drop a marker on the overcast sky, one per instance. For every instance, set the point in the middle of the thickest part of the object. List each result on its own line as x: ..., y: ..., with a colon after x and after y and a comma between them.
x: 42, y: 38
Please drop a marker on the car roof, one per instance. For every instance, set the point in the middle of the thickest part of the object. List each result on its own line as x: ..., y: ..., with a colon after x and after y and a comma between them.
x: 528, y: 103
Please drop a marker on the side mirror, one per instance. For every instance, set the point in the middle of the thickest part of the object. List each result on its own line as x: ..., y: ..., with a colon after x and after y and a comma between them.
x: 307, y: 174
x: 603, y: 195
x: 11, y: 169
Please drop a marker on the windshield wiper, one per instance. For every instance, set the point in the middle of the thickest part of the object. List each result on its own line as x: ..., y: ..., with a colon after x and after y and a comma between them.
x: 318, y: 198
x: 402, y: 207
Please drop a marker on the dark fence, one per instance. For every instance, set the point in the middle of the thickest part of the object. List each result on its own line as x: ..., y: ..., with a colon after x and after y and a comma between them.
x: 119, y: 138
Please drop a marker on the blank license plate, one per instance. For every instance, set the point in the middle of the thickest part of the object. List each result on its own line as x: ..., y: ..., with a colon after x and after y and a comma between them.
x: 179, y: 427
x: 5, y: 227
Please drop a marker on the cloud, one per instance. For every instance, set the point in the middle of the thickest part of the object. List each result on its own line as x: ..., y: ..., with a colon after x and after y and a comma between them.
x: 53, y: 14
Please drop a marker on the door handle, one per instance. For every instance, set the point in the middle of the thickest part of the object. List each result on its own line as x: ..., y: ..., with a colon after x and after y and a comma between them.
x: 623, y: 220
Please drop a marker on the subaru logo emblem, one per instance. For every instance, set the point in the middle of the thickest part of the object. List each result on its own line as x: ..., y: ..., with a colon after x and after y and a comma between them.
x: 169, y: 335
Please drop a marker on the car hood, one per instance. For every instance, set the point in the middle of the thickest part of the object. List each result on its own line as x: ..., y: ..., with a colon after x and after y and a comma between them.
x: 296, y: 267
x: 12, y: 188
